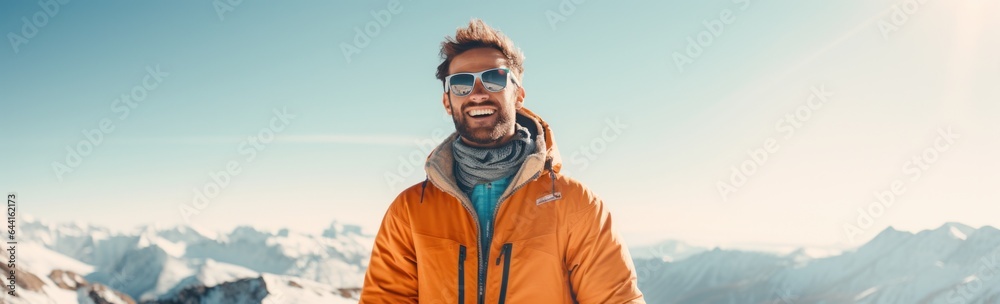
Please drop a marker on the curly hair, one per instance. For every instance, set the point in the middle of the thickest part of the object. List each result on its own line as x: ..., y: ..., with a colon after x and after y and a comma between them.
x: 479, y: 35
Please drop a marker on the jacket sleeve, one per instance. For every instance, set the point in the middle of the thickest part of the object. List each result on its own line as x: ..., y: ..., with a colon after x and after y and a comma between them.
x: 392, y: 272
x: 601, y: 268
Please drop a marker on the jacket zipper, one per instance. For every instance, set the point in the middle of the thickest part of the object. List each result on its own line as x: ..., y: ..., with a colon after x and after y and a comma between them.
x: 483, y: 262
x: 489, y: 232
x: 505, y: 254
x: 475, y: 219
x: 461, y: 274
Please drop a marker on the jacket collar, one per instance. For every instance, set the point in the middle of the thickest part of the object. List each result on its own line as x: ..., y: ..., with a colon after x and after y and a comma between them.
x: 441, y: 161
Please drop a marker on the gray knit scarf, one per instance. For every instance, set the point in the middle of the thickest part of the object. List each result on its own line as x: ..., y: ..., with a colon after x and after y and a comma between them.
x: 483, y: 165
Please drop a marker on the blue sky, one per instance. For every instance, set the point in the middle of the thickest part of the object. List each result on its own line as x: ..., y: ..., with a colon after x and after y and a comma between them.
x: 357, y: 121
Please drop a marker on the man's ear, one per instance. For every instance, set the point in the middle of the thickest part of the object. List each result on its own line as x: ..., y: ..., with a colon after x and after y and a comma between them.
x: 519, y: 103
x: 444, y: 101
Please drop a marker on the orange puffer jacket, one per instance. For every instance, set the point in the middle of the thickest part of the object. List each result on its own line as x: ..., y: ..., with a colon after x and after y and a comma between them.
x: 553, y: 240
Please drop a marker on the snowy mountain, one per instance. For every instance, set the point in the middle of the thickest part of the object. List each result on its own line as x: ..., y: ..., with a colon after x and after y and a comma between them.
x: 951, y: 264
x: 266, y: 288
x: 163, y: 263
x: 44, y: 276
x: 667, y: 251
x: 80, y: 263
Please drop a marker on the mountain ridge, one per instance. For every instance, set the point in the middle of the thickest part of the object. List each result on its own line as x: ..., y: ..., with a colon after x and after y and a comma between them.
x: 173, y: 264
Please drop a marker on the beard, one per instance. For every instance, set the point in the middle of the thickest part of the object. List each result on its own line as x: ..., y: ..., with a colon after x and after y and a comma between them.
x: 488, y: 134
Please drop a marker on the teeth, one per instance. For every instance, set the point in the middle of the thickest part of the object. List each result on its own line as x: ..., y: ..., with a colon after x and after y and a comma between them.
x: 480, y: 112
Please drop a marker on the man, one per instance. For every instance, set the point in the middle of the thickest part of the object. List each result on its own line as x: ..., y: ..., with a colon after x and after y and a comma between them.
x: 495, y: 222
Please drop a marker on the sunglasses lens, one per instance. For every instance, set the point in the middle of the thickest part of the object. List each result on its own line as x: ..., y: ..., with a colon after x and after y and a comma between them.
x: 461, y: 84
x: 495, y: 80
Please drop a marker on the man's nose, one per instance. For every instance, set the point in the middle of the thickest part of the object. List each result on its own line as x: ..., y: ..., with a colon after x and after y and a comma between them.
x: 479, y: 93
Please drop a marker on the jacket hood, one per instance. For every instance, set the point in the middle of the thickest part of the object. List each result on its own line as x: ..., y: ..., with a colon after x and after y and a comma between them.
x: 440, y: 163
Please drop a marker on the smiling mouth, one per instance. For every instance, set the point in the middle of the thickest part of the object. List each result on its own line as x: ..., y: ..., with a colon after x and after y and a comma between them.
x: 481, y: 113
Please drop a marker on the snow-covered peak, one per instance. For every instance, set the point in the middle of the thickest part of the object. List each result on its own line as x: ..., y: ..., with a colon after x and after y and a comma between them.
x: 955, y: 230
x: 176, y: 277
x: 179, y: 233
x: 151, y: 238
x: 888, y: 238
x: 247, y: 233
x: 337, y: 229
x: 667, y: 251
x: 265, y: 288
x: 286, y: 289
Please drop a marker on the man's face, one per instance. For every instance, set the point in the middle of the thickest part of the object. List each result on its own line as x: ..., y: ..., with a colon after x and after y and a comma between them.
x: 487, y: 130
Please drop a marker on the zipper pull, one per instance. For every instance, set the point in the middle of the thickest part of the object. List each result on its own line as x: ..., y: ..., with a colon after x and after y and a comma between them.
x: 503, y: 251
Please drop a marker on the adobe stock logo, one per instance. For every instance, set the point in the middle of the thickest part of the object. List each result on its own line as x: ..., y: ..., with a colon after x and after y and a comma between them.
x: 123, y: 105
x: 915, y: 168
x: 565, y: 9
x: 219, y: 180
x: 30, y: 27
x: 372, y: 29
x: 989, y: 268
x: 899, y: 16
x: 704, y: 39
x: 757, y: 157
x: 414, y: 162
x: 225, y: 6
x: 582, y: 157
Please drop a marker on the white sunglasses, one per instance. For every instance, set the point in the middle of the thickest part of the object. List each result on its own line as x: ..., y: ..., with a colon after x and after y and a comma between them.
x: 494, y: 80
